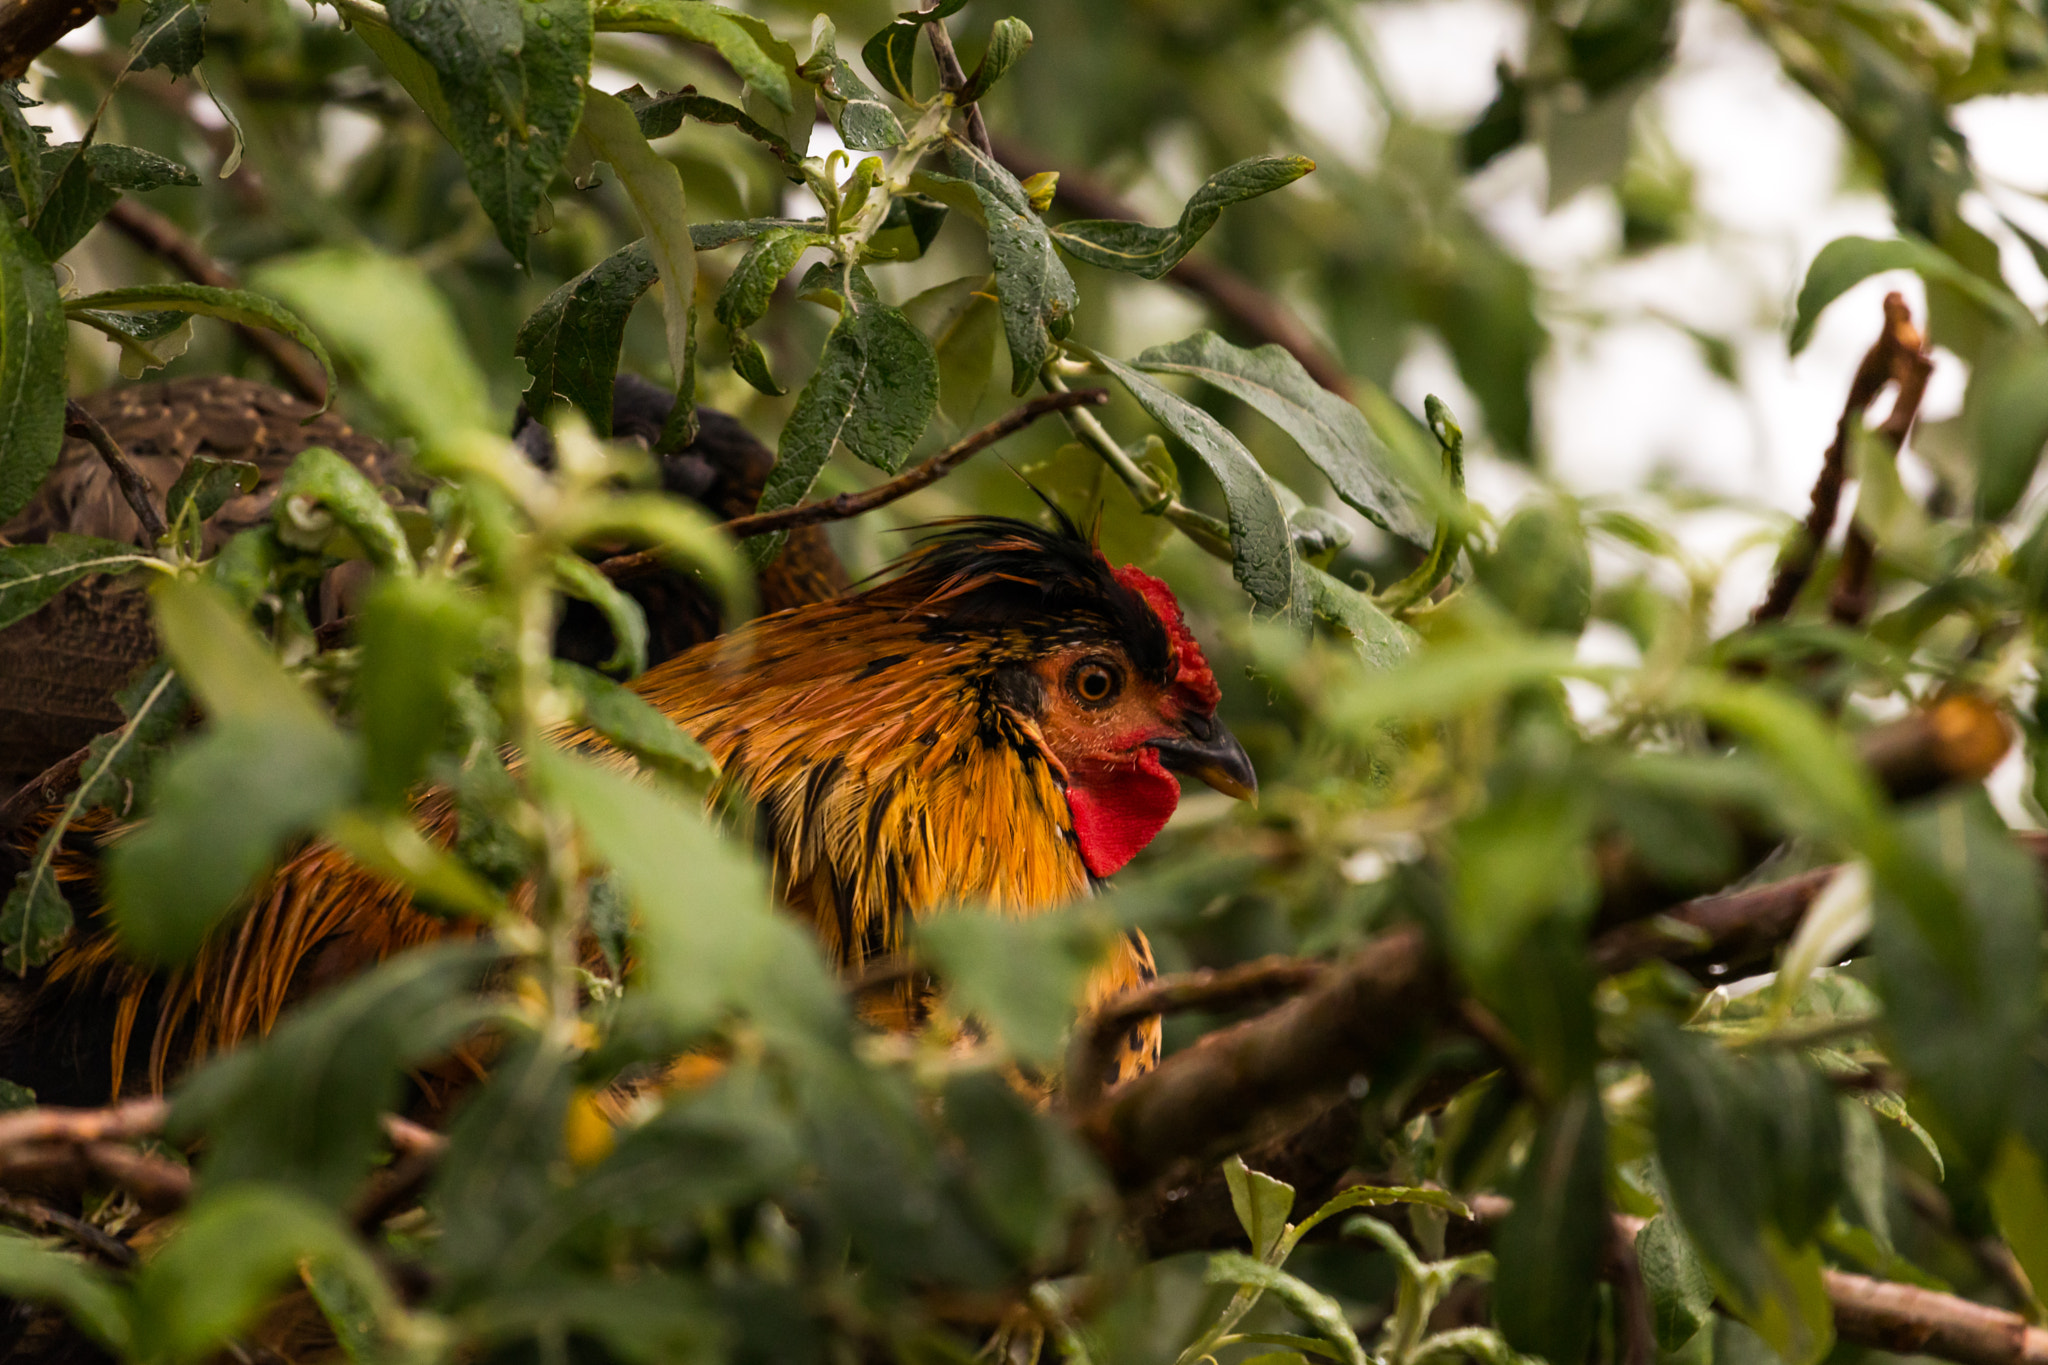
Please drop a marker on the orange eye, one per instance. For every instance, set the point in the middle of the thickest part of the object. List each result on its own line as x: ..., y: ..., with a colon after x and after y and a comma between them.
x: 1093, y: 682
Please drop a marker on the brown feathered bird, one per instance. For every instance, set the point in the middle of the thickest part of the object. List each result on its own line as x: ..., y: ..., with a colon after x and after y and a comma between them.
x: 996, y: 722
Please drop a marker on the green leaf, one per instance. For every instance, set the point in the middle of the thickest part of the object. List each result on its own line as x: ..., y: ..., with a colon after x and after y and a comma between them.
x: 1382, y: 642
x: 2009, y: 413
x: 1378, y: 1196
x: 1318, y: 1309
x: 32, y: 388
x: 571, y: 342
x: 634, y: 724
x: 711, y: 236
x: 1553, y: 1244
x: 418, y: 637
x: 656, y: 189
x: 1261, y: 554
x: 692, y: 968
x: 398, y: 333
x: 88, y: 1297
x: 237, y: 1246
x: 322, y: 493
x: 1848, y: 261
x: 680, y: 529
x: 864, y: 121
x: 512, y: 74
x: 2019, y: 1197
x: 1037, y: 295
x: 1009, y: 40
x: 1023, y: 976
x: 1681, y: 1295
x: 1541, y: 570
x: 962, y: 321
x: 873, y: 392
x: 204, y: 486
x: 172, y: 35
x: 30, y: 575
x: 302, y: 1107
x: 1331, y: 432
x: 891, y: 57
x: 1960, y: 978
x: 406, y: 66
x: 662, y: 114
x: 1150, y: 252
x: 243, y: 306
x: 1261, y: 1204
x: 133, y: 169
x: 25, y: 145
x: 579, y: 578
x: 744, y: 300
x: 748, y: 49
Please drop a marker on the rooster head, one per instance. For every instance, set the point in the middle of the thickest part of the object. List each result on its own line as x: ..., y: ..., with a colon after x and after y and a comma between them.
x: 1094, y: 663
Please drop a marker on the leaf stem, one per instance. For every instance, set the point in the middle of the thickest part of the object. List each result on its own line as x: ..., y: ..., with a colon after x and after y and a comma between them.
x: 1206, y: 531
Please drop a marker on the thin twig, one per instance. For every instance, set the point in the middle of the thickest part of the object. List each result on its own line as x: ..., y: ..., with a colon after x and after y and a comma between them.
x: 29, y: 1214
x: 953, y: 77
x: 141, y: 498
x: 165, y: 240
x: 1851, y: 599
x: 1632, y: 1321
x: 1896, y: 357
x: 620, y: 568
x: 129, y: 1119
x: 1254, y: 312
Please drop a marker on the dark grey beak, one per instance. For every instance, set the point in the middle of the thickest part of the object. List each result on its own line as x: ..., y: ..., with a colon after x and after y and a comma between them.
x: 1211, y: 753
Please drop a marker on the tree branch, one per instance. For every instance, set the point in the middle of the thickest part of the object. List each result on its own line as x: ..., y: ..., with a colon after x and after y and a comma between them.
x: 1896, y: 357
x: 165, y: 240
x: 953, y: 77
x: 622, y: 568
x: 28, y: 28
x: 1253, y: 311
x: 141, y: 498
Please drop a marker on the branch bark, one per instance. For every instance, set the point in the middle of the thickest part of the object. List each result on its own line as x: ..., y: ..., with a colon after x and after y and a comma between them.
x: 30, y: 27
x: 1897, y: 357
x: 953, y: 77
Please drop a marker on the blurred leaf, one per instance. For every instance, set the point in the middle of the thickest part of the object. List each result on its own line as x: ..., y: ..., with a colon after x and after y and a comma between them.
x: 1028, y: 1172
x: 864, y: 121
x: 656, y: 189
x: 1023, y: 976
x: 396, y: 329
x: 2009, y: 412
x: 1330, y: 431
x: 223, y: 661
x: 237, y: 1246
x: 1450, y: 677
x: 635, y: 725
x: 418, y: 637
x: 203, y: 487
x: 1382, y: 642
x: 1540, y: 569
x: 493, y: 1180
x: 93, y: 1302
x: 1150, y: 252
x: 302, y: 1109
x: 1958, y: 1014
x: 1009, y: 40
x: 32, y: 388
x: 1848, y: 261
x: 679, y: 530
x: 962, y: 320
x: 1553, y: 1244
x: 30, y: 575
x: 1261, y: 556
x: 512, y: 74
x: 1261, y: 1204
x: 2018, y: 1187
x: 748, y: 48
x: 1681, y: 1296
x: 571, y: 342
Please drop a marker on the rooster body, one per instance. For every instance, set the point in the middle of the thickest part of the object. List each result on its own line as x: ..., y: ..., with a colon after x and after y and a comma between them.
x: 993, y: 724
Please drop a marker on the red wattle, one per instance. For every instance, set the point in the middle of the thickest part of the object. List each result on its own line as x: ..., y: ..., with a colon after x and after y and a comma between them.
x: 1117, y: 810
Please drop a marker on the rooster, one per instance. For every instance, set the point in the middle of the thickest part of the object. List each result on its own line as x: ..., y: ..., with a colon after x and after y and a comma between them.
x: 997, y: 721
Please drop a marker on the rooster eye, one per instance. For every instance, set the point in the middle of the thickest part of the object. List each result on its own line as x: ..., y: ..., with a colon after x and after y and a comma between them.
x: 1094, y: 683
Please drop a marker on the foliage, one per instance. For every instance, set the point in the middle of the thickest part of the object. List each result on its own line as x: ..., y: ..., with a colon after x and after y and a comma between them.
x: 1435, y: 747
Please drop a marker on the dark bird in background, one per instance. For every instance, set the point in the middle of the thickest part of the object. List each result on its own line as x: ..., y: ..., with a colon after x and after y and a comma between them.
x: 996, y: 721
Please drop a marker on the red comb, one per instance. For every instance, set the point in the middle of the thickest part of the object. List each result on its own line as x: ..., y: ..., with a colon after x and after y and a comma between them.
x: 1196, y: 682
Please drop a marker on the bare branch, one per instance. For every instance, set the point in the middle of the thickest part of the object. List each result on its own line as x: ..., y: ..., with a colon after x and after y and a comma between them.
x: 953, y: 77
x: 1896, y: 357
x: 622, y: 568
x: 30, y: 27
x: 135, y: 489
